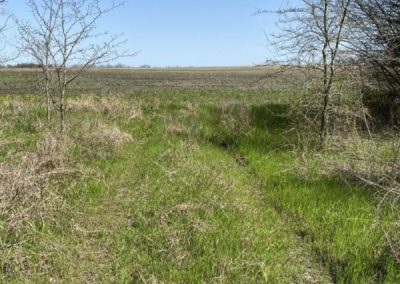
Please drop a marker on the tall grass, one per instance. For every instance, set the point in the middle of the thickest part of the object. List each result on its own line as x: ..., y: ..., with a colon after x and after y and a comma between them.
x: 343, y: 222
x: 187, y: 187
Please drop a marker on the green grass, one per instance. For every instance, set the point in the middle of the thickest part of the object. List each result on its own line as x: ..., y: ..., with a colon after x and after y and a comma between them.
x: 190, y: 218
x: 341, y: 222
x: 205, y: 192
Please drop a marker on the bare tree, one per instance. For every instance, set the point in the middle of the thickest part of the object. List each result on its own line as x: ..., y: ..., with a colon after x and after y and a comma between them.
x: 37, y: 39
x: 375, y: 46
x: 311, y: 36
x: 65, y: 34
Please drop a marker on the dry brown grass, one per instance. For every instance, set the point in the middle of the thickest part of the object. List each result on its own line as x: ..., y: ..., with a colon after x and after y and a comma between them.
x: 103, y: 134
x: 99, y: 139
x: 34, y: 180
x: 31, y: 200
x: 374, y: 163
x: 25, y: 183
x: 83, y: 104
x: 114, y: 107
x: 18, y: 106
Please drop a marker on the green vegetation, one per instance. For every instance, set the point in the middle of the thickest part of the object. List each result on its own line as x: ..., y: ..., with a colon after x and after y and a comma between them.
x: 183, y: 186
x: 341, y: 221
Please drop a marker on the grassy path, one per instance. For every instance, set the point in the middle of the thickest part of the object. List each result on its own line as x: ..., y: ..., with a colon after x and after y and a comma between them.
x: 172, y: 210
x: 205, y: 193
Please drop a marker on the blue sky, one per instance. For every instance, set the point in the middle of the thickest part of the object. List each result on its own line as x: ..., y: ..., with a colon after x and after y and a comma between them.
x: 189, y: 32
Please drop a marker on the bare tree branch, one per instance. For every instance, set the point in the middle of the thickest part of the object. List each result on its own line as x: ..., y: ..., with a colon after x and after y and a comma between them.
x: 65, y: 34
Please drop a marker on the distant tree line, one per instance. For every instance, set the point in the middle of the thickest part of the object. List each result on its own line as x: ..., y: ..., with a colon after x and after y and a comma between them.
x: 21, y: 65
x: 31, y: 65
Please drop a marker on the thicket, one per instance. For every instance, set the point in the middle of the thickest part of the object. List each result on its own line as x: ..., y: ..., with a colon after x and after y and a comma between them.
x: 349, y: 53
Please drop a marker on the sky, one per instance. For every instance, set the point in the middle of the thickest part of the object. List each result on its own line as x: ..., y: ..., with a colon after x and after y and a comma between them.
x: 169, y: 33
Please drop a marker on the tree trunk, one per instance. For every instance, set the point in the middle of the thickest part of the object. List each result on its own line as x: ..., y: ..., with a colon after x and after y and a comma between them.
x: 48, y: 101
x: 62, y: 111
x: 63, y: 95
x: 324, y: 121
x: 62, y: 119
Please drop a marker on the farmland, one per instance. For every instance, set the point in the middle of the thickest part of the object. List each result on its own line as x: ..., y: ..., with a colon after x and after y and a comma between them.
x: 181, y: 176
x: 125, y: 81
